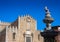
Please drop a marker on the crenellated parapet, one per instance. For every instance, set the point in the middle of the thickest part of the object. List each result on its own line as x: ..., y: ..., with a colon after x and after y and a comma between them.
x: 4, y: 23
x: 12, y: 29
x: 25, y: 22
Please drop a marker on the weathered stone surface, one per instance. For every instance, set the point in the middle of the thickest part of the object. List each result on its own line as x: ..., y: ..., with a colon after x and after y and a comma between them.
x: 19, y: 27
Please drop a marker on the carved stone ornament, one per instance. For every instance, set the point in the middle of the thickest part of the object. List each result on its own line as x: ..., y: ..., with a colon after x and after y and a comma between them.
x: 28, y: 19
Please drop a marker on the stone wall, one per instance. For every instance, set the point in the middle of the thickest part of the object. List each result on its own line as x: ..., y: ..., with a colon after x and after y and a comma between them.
x: 2, y: 36
x: 20, y: 27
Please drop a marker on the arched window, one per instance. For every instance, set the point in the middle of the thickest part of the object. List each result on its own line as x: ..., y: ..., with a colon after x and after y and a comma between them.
x: 14, y: 35
x: 28, y: 36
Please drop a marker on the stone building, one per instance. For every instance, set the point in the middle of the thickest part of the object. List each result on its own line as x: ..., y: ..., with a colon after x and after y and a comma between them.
x: 24, y: 29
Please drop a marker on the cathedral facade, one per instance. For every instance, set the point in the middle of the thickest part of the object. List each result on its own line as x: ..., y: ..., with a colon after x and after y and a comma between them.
x: 23, y: 29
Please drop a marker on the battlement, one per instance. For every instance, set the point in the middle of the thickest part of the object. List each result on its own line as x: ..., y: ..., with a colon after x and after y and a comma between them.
x: 4, y: 23
x: 26, y: 16
x: 12, y: 29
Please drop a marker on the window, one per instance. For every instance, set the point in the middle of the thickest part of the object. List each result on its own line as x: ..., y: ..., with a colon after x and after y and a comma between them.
x: 28, y: 39
x: 14, y: 35
x: 28, y: 36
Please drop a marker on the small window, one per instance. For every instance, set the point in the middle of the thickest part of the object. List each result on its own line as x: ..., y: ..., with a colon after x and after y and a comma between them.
x: 28, y: 39
x: 14, y: 35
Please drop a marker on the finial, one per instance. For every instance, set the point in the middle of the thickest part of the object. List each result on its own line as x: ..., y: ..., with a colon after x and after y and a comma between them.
x: 47, y: 10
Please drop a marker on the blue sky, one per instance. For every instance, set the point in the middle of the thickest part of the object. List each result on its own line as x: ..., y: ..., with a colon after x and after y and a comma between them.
x: 11, y: 9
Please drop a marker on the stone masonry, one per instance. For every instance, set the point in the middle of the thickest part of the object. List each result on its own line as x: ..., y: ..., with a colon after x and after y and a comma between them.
x: 18, y: 30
